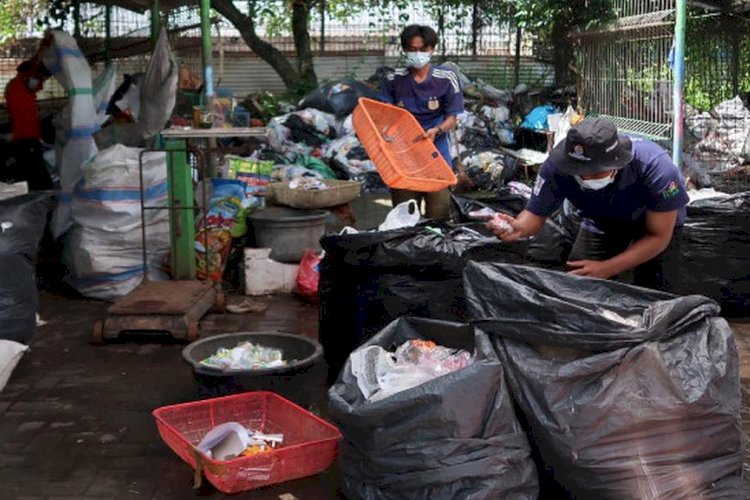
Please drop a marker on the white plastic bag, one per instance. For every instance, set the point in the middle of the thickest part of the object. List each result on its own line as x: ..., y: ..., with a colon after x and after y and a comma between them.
x: 10, y: 355
x: 564, y: 124
x: 404, y: 214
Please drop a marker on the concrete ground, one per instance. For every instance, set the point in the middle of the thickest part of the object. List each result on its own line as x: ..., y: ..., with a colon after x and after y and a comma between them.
x: 75, y: 419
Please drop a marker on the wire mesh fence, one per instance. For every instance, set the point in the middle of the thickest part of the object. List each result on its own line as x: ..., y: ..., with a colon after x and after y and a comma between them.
x: 625, y: 71
x: 626, y: 76
x: 464, y: 31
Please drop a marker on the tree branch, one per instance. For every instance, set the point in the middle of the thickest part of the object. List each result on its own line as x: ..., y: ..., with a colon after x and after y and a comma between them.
x: 270, y: 54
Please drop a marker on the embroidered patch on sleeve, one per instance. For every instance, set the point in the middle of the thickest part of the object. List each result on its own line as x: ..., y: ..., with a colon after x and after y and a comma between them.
x: 538, y: 185
x: 670, y: 191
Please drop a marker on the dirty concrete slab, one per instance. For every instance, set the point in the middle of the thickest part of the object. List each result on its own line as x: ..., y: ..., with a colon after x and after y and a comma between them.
x: 75, y: 418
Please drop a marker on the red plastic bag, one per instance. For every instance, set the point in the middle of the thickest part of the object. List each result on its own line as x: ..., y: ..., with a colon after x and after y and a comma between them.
x: 308, y: 276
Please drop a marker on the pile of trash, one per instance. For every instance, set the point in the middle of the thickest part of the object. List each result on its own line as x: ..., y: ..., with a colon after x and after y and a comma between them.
x: 246, y: 356
x: 721, y: 134
x: 232, y: 440
x: 317, y: 139
x: 381, y: 374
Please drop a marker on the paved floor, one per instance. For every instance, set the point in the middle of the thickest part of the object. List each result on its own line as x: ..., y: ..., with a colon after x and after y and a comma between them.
x: 75, y: 419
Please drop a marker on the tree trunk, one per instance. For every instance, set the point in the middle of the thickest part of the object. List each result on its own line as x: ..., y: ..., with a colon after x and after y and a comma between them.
x: 302, y: 43
x: 562, y: 53
x: 267, y: 52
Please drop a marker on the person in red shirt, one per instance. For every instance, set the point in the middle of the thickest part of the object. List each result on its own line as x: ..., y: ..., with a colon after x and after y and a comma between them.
x: 26, y: 162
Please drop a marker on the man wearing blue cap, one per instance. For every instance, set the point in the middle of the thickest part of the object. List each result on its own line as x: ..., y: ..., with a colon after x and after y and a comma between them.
x: 631, y: 196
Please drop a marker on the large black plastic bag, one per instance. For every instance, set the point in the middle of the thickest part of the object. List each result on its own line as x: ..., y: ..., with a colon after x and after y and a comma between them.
x: 22, y: 223
x: 339, y: 98
x: 369, y: 279
x: 453, y: 437
x: 501, y: 201
x: 714, y: 258
x: 552, y: 245
x: 629, y: 393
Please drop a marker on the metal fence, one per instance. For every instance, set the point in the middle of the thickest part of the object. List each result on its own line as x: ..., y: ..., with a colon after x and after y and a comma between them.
x: 626, y: 76
x: 624, y: 67
x: 464, y: 31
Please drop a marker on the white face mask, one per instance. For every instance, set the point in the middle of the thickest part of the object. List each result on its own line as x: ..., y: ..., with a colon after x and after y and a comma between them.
x: 417, y: 59
x: 595, y: 184
x: 32, y: 83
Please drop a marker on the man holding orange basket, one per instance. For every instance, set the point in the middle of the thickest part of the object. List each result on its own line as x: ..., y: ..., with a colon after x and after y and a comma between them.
x: 433, y: 95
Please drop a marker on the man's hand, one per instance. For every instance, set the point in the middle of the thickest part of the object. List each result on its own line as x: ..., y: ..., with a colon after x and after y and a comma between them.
x: 431, y: 133
x: 591, y: 268
x: 510, y: 231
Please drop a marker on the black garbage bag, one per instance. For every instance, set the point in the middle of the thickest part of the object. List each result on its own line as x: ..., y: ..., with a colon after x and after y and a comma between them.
x: 500, y: 201
x: 301, y: 131
x: 489, y: 170
x: 22, y: 223
x: 629, y: 393
x: 452, y: 437
x: 339, y: 98
x: 552, y: 245
x: 369, y: 279
x: 714, y: 259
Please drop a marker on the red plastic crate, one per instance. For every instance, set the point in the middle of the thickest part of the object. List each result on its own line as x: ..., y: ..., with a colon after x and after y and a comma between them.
x: 310, y: 443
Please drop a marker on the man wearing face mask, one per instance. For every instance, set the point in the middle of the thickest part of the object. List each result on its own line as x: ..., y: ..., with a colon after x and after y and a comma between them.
x: 433, y: 95
x: 26, y: 162
x: 632, y: 200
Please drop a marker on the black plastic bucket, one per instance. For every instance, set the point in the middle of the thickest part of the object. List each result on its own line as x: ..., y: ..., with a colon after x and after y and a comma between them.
x: 295, y: 381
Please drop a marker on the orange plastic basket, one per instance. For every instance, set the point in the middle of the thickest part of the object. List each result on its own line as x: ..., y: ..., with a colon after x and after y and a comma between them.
x: 310, y: 443
x: 390, y: 135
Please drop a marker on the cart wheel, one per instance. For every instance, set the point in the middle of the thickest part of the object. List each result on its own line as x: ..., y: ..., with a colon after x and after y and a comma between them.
x: 193, y: 330
x: 220, y: 305
x: 98, y: 332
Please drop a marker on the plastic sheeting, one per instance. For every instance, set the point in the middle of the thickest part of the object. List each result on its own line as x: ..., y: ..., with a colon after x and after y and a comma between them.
x: 713, y: 252
x: 156, y: 94
x: 339, y: 98
x: 629, y: 393
x: 76, y: 123
x: 369, y: 279
x: 461, y: 438
x: 22, y: 223
x: 158, y: 88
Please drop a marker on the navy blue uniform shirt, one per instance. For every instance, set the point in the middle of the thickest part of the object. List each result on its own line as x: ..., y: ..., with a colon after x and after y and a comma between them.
x: 649, y: 182
x: 431, y: 101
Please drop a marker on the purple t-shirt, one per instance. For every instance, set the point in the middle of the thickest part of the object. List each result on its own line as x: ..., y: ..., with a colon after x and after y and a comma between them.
x: 431, y: 101
x: 650, y: 182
